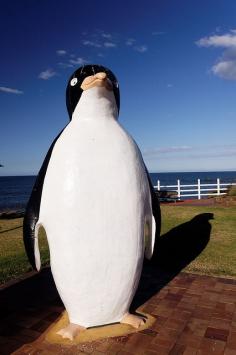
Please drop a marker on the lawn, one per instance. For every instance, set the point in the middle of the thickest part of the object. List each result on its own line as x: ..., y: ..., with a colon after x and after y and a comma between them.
x: 13, y: 259
x: 218, y: 257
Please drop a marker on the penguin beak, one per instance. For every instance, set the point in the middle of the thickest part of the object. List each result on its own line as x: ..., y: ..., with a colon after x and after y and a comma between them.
x: 99, y: 79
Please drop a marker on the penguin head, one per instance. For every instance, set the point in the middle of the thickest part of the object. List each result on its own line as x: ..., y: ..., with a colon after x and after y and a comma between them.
x: 87, y: 77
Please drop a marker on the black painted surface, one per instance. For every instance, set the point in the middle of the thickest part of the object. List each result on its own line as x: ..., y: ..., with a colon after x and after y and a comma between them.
x: 33, y: 207
x: 73, y: 93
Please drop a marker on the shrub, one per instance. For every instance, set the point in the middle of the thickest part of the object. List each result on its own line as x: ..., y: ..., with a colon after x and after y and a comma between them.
x: 232, y: 191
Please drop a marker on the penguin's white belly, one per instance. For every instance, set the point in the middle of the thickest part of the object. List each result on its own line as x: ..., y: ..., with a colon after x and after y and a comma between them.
x: 94, y: 205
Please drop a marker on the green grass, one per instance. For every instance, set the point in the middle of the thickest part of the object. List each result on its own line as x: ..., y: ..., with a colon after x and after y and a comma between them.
x: 232, y: 191
x: 13, y: 259
x: 218, y: 258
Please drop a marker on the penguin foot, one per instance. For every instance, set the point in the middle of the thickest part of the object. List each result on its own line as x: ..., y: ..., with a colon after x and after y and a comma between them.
x: 133, y: 320
x: 71, y: 331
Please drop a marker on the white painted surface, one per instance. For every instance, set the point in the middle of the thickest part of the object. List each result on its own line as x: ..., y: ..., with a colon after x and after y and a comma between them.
x: 95, y: 202
x: 199, y: 188
x: 215, y: 189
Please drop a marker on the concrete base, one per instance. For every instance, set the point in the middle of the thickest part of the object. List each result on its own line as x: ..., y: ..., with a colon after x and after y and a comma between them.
x: 95, y: 333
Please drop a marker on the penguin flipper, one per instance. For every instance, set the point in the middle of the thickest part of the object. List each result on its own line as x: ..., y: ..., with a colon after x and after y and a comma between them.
x: 31, y: 222
x: 153, y: 235
x: 156, y: 210
x: 150, y: 232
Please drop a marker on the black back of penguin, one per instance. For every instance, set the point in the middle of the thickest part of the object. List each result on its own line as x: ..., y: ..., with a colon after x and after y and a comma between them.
x: 74, y: 91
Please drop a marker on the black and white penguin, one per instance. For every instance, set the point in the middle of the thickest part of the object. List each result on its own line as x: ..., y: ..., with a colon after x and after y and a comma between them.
x: 95, y: 200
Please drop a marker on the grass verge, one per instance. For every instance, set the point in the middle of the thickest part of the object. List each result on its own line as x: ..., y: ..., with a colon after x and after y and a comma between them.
x: 219, y: 256
x: 13, y: 259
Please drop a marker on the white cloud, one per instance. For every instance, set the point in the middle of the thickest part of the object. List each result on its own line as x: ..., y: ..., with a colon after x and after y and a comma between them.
x: 78, y: 61
x: 109, y: 44
x: 210, y: 155
x: 226, y: 65
x: 92, y: 44
x: 47, y: 74
x: 61, y: 52
x: 157, y: 152
x: 225, y: 69
x: 191, y: 152
x: 106, y: 35
x: 169, y: 85
x: 158, y: 33
x: 65, y: 65
x: 10, y: 90
x: 141, y: 49
x: 130, y: 41
x: 227, y: 40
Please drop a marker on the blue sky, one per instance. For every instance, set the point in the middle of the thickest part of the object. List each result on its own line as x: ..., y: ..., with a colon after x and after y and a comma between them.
x: 175, y: 62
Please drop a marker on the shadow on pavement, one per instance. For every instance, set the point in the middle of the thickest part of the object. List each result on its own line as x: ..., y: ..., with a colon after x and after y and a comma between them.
x: 28, y: 307
x: 24, y: 310
x: 173, y: 251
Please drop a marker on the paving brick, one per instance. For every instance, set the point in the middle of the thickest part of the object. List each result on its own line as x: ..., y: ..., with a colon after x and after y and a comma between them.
x: 103, y: 346
x: 175, y: 323
x: 231, y: 343
x: 196, y: 326
x: 210, y: 346
x: 220, y: 323
x: 191, y: 340
x: 158, y: 349
x: 149, y: 332
x: 186, y: 306
x: 181, y: 315
x: 216, y: 333
x: 137, y: 342
x: 189, y: 351
x: 41, y: 326
x: 202, y: 313
x: 229, y: 351
x: 173, y: 296
x: 164, y: 342
x: 150, y: 352
x: 194, y: 315
x: 178, y: 349
x: 26, y: 322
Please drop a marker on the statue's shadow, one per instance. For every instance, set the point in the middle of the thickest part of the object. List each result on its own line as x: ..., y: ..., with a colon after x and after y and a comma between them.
x: 37, y: 296
x: 173, y: 251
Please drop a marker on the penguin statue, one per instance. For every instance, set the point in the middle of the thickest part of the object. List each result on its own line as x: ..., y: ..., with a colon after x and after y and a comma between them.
x: 95, y: 200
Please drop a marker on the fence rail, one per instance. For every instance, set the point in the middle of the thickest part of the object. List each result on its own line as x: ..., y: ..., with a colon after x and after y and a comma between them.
x: 199, y: 190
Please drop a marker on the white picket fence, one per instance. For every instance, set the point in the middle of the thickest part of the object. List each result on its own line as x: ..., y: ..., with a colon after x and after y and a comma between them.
x: 197, y: 190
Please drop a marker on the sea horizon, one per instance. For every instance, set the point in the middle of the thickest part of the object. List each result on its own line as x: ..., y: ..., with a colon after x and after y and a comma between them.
x: 150, y: 172
x: 15, y: 190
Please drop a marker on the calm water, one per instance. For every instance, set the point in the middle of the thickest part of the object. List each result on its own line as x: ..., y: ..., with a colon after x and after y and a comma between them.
x: 15, y: 190
x: 191, y: 177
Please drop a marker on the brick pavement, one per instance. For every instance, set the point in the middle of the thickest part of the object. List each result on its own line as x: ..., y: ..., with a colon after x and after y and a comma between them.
x: 194, y: 315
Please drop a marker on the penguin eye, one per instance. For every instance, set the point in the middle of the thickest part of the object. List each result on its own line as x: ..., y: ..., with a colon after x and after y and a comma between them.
x: 73, y: 81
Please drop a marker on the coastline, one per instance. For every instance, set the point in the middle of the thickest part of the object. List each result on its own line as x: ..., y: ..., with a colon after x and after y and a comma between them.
x: 15, y: 190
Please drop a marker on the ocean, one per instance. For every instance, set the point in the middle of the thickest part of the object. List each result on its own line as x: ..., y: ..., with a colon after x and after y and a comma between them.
x: 15, y: 190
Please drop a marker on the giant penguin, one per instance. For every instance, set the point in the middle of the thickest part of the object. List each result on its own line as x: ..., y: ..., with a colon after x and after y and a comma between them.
x: 95, y: 200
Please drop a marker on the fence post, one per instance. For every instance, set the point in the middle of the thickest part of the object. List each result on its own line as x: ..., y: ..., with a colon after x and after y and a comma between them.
x: 178, y: 189
x: 158, y: 185
x: 218, y: 187
x: 199, y: 189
